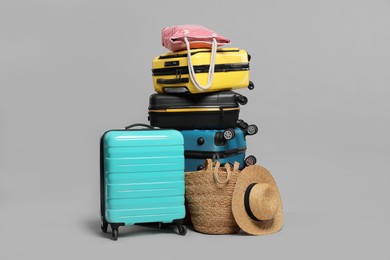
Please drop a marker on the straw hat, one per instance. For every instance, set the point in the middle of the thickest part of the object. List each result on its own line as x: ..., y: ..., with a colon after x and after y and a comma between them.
x: 256, y: 203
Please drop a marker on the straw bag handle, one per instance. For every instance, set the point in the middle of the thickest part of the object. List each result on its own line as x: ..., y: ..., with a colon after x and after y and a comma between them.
x: 216, y: 168
x: 236, y: 166
x: 209, y: 167
x: 209, y: 164
x: 191, y: 70
x: 228, y: 172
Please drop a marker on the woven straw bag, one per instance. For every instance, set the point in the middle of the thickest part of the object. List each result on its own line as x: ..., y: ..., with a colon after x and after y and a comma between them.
x: 209, y: 197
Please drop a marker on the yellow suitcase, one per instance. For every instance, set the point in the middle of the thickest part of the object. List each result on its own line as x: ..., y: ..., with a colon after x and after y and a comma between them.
x: 231, y: 71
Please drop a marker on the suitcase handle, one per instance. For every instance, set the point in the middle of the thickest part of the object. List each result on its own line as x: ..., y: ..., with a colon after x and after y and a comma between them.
x: 172, y: 81
x: 138, y: 124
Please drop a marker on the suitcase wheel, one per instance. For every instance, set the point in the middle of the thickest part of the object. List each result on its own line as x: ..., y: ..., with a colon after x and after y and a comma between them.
x: 250, y: 160
x: 252, y: 129
x: 104, y: 226
x: 251, y: 85
x: 115, y: 234
x: 182, y: 230
x: 229, y: 134
x: 242, y: 100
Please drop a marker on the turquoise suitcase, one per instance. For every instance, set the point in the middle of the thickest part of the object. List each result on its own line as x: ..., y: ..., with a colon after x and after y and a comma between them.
x: 142, y: 178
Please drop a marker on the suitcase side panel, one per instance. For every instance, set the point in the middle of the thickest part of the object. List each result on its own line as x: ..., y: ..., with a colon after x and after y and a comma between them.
x: 200, y: 57
x: 141, y: 211
x: 191, y: 140
x: 143, y: 176
x: 225, y: 80
x: 192, y: 164
x: 222, y: 81
x: 217, y: 110
x: 224, y: 99
x: 142, y: 138
x: 187, y: 120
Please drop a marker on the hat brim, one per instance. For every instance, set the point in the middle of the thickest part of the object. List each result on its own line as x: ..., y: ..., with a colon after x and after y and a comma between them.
x: 249, y: 175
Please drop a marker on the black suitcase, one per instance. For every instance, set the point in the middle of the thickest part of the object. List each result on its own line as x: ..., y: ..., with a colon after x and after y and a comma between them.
x: 216, y: 110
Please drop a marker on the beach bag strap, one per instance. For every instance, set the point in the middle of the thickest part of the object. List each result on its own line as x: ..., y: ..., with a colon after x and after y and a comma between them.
x: 208, y: 164
x: 215, y: 167
x: 191, y: 70
x: 228, y: 173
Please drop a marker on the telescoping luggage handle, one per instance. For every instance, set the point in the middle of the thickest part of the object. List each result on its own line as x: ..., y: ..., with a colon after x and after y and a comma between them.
x: 191, y: 70
x: 139, y: 125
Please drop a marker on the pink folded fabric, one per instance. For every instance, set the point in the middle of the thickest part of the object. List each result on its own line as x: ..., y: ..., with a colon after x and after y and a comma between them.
x: 173, y: 37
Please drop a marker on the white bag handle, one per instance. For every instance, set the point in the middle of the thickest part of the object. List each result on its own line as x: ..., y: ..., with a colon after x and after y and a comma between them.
x: 191, y: 70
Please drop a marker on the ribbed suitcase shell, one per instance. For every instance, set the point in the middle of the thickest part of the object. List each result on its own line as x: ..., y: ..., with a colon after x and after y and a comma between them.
x: 143, y: 176
x: 196, y: 152
x: 218, y: 110
x: 231, y: 70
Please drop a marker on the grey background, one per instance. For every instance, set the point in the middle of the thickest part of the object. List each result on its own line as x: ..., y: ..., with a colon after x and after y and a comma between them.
x: 69, y: 70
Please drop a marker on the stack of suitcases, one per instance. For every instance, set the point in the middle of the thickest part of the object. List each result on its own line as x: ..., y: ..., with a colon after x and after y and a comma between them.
x: 209, y: 121
x: 142, y: 170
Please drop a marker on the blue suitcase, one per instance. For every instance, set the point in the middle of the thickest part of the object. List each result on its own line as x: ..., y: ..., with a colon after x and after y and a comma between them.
x: 227, y: 146
x: 141, y: 178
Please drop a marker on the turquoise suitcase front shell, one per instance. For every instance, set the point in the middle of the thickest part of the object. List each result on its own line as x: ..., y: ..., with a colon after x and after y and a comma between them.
x: 143, y: 176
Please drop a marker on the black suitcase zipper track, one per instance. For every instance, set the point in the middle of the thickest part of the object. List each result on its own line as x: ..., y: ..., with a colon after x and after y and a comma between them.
x: 207, y: 154
x: 201, y: 69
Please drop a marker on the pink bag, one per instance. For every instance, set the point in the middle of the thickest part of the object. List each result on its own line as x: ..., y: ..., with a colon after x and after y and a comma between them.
x: 174, y: 37
x: 185, y: 37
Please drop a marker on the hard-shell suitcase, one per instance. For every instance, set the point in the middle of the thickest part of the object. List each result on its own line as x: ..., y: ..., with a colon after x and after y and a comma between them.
x: 227, y: 146
x: 141, y: 178
x: 171, y: 75
x: 218, y: 110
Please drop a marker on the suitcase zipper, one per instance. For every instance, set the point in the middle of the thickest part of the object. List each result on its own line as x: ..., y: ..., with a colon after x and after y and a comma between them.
x: 201, y: 69
x: 207, y: 154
